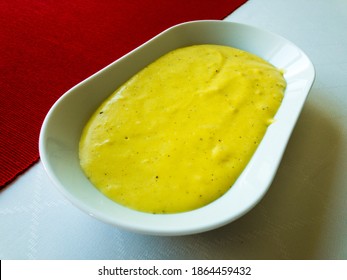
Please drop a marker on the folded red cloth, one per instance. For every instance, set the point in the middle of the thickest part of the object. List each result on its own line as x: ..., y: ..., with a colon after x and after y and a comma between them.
x: 48, y: 46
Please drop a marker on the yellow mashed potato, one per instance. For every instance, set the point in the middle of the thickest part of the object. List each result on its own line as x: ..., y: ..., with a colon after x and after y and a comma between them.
x: 178, y: 134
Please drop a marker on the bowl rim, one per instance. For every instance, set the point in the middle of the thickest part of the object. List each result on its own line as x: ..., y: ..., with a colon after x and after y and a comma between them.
x: 204, y: 218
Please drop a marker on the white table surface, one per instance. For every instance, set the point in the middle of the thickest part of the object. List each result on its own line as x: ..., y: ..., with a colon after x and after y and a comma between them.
x: 303, y: 216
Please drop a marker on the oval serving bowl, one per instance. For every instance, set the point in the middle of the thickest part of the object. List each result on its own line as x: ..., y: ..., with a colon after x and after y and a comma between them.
x: 62, y: 127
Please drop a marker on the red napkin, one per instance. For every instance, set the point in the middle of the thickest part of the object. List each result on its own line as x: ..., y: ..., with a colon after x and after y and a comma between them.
x: 46, y: 47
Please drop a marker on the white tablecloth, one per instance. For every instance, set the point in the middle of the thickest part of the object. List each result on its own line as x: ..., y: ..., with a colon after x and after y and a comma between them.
x: 303, y: 216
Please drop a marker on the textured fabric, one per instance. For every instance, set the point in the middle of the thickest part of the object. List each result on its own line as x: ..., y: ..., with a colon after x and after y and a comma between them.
x: 48, y: 46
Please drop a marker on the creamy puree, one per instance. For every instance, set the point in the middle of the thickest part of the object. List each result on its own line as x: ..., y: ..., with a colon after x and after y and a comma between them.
x: 177, y: 135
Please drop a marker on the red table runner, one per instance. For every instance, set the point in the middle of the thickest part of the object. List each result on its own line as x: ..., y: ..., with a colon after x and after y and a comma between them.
x: 46, y: 47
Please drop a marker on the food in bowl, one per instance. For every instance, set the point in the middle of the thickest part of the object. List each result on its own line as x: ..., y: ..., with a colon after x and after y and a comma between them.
x: 178, y: 134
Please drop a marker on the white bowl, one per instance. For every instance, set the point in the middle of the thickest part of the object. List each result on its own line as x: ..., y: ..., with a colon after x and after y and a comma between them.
x: 63, y: 125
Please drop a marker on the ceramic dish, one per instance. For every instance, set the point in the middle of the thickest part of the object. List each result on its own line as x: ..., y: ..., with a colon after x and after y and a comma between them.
x: 62, y: 128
